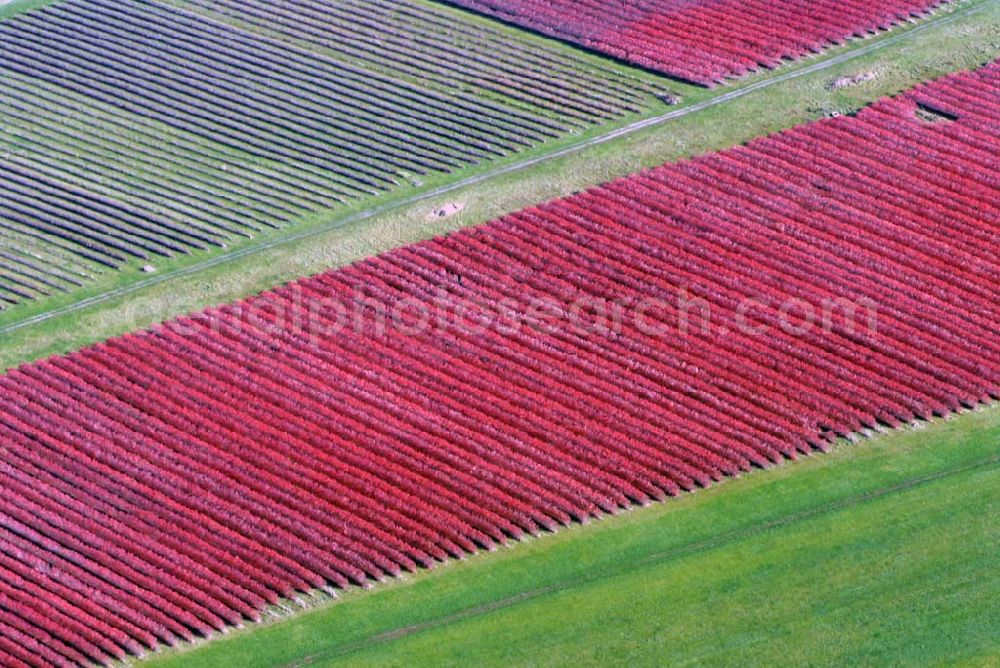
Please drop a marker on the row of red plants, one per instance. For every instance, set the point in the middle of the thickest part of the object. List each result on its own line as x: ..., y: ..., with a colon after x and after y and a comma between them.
x: 704, y: 42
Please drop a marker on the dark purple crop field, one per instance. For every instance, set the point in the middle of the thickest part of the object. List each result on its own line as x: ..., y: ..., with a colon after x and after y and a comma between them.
x: 138, y: 130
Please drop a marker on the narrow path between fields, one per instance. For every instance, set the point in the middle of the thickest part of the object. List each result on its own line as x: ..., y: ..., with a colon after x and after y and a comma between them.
x: 650, y: 559
x: 225, y: 258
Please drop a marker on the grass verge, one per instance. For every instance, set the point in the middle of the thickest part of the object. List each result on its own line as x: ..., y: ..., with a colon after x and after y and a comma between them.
x: 331, y: 239
x: 884, y: 552
x: 11, y: 8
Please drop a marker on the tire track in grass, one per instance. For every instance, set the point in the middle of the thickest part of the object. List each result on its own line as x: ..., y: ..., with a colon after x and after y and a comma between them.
x: 688, y: 549
x: 476, y: 179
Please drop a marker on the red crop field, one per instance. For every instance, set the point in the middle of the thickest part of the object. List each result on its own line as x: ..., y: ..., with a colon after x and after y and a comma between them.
x: 642, y: 338
x: 703, y: 41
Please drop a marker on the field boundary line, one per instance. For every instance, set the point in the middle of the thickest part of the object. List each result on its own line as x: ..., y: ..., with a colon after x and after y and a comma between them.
x: 696, y: 547
x: 878, y: 43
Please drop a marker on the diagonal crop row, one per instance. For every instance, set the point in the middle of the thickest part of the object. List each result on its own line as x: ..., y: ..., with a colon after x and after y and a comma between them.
x: 423, y: 44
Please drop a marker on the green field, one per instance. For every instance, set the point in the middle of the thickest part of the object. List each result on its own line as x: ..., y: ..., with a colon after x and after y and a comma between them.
x: 9, y: 8
x: 961, y: 37
x: 884, y: 552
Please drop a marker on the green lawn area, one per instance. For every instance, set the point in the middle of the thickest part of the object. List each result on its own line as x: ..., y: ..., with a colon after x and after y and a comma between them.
x: 962, y: 36
x: 9, y: 8
x: 884, y: 552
